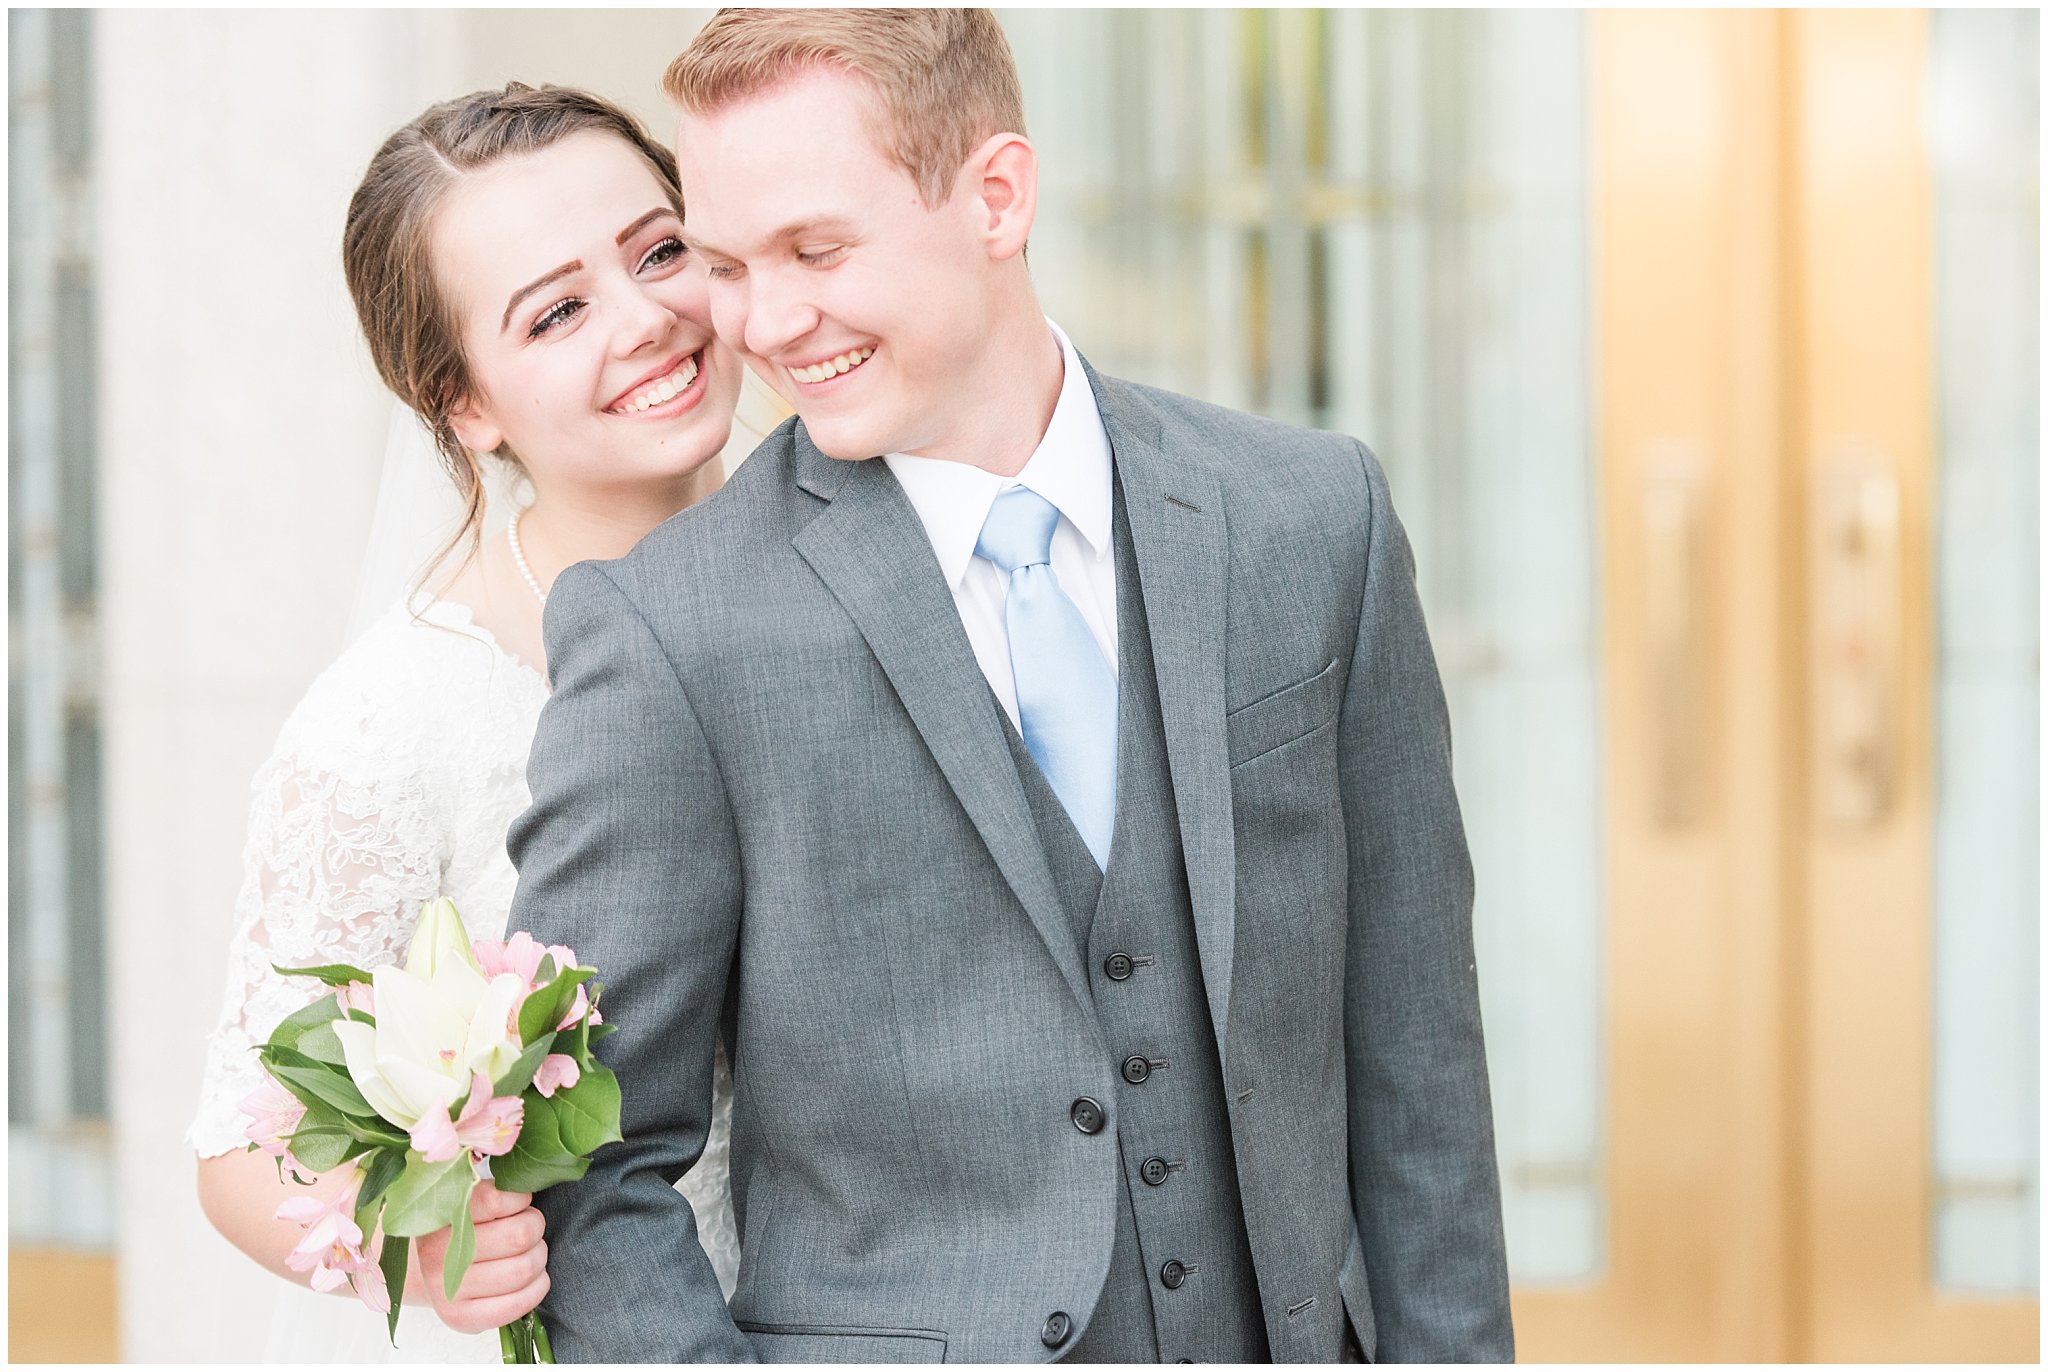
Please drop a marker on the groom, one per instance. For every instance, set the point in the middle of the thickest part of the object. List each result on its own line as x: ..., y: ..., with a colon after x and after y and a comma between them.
x: 1040, y: 782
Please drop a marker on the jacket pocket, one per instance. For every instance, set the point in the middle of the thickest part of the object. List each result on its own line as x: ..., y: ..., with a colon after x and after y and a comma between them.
x: 1358, y: 1299
x: 842, y: 1343
x: 1278, y: 719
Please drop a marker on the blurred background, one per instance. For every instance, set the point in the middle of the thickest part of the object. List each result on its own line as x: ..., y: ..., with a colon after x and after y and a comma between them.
x: 1702, y: 350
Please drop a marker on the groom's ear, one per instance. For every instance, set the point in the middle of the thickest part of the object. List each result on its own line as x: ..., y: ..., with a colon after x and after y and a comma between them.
x: 1002, y: 177
x: 475, y: 431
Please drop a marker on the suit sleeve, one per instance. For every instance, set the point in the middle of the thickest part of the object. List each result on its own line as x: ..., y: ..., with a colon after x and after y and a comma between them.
x: 1425, y: 1187
x: 628, y: 855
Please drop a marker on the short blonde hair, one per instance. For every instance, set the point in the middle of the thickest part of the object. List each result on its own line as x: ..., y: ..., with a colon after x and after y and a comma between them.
x: 945, y: 77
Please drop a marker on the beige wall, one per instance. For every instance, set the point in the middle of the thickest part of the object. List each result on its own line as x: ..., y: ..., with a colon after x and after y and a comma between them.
x: 241, y: 433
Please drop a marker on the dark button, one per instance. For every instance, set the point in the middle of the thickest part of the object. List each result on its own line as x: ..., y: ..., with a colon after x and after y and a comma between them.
x: 1136, y: 1070
x: 1172, y: 1275
x: 1057, y: 1327
x: 1117, y: 966
x: 1087, y: 1115
x: 1153, y: 1170
x: 1185, y: 1360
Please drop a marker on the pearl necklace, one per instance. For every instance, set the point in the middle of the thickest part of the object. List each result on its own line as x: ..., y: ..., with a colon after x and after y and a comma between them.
x: 519, y: 558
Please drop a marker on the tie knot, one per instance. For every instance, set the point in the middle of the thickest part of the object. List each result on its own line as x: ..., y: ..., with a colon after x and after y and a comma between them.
x: 1018, y: 530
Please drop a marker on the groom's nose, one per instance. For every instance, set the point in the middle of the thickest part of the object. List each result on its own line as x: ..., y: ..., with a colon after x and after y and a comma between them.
x: 779, y: 312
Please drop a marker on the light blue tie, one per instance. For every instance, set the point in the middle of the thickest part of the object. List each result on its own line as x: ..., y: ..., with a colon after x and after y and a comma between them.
x: 1066, y: 694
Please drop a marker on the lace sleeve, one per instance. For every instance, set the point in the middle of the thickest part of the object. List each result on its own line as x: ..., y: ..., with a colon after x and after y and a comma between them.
x: 344, y: 844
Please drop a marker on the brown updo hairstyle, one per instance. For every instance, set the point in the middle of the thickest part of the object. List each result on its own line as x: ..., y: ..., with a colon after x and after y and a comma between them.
x: 387, y: 248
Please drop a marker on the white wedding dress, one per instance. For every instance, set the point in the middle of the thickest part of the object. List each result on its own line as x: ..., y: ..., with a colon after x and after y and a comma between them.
x: 393, y: 782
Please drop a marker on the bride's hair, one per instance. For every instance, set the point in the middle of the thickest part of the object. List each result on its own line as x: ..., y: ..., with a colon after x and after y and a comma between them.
x: 387, y: 247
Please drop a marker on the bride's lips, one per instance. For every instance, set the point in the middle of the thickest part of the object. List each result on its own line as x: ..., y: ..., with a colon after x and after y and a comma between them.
x: 688, y: 397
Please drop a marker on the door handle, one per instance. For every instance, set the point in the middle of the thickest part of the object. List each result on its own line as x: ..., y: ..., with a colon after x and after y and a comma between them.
x: 1857, y: 595
x: 1674, y: 519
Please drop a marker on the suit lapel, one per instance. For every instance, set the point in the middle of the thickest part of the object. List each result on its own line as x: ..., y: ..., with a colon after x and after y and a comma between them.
x: 872, y: 552
x: 1175, y: 513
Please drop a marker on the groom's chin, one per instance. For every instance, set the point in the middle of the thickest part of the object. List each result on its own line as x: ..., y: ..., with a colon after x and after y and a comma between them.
x: 840, y: 440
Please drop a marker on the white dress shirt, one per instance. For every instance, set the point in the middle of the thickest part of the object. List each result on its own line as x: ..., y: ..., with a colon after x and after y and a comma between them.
x: 1071, y: 468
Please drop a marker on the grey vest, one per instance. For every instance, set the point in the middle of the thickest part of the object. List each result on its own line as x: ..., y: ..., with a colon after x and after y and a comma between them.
x: 1181, y: 1282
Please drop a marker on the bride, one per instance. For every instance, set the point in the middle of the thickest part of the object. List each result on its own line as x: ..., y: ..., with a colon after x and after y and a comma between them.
x: 516, y: 267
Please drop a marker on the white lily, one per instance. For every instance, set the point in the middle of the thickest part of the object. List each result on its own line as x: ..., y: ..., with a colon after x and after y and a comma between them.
x: 431, y: 1035
x: 439, y: 938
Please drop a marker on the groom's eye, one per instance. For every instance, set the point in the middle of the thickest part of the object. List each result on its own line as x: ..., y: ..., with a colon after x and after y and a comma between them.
x: 820, y: 257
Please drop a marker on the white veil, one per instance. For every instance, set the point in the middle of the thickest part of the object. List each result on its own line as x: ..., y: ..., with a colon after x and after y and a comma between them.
x: 417, y: 510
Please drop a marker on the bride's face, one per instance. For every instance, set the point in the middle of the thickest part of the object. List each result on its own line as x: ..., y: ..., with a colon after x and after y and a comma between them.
x: 584, y: 324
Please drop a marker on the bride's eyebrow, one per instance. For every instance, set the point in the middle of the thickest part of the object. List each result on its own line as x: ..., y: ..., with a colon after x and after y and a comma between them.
x: 642, y: 222
x: 530, y: 287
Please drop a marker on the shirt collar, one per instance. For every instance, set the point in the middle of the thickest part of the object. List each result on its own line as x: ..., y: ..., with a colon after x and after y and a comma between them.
x: 1070, y: 467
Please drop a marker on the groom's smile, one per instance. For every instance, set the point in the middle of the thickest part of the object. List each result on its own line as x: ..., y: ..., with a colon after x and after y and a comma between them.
x: 815, y: 374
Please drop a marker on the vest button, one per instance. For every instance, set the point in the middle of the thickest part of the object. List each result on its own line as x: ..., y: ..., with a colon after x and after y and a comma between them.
x: 1087, y: 1115
x: 1172, y: 1275
x: 1057, y: 1327
x: 1117, y: 966
x: 1153, y: 1170
x: 1136, y: 1070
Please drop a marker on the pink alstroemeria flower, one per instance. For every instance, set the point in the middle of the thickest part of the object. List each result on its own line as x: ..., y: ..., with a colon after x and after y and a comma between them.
x: 356, y: 995
x: 488, y: 1126
x: 557, y: 1071
x: 274, y: 1113
x: 368, y: 1280
x: 521, y: 955
x: 332, y: 1247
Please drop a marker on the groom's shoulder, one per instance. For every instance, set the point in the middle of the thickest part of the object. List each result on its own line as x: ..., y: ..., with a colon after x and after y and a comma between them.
x: 729, y: 530
x: 1243, y: 450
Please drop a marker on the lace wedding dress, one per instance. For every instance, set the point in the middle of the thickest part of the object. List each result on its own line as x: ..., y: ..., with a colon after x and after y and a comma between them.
x: 393, y: 782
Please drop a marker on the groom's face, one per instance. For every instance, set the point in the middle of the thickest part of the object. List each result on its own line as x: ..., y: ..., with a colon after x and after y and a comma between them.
x: 865, y: 309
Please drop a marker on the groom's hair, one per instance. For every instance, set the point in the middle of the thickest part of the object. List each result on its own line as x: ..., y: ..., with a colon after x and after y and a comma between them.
x: 945, y: 77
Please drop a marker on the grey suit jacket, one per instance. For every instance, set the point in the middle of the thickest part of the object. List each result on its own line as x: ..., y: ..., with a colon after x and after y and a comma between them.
x: 772, y: 801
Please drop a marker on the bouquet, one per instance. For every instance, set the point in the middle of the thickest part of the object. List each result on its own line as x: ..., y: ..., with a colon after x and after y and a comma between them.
x: 470, y: 1056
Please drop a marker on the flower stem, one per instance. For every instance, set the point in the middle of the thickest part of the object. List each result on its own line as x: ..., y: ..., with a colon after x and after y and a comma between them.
x: 507, y: 1347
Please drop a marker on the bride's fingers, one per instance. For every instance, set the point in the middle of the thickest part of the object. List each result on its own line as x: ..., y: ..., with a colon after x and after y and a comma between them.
x: 481, y: 1316
x: 488, y: 1279
x: 515, y: 1233
x: 487, y: 1202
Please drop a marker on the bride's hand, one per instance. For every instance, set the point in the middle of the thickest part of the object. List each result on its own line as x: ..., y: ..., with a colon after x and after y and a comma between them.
x: 509, y: 1274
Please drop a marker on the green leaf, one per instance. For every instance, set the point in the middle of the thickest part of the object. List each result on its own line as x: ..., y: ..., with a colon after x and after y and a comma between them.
x: 461, y: 1251
x: 333, y: 973
x: 427, y: 1194
x: 322, y: 1044
x: 547, y: 1004
x: 392, y: 1260
x: 378, y: 1174
x: 520, y: 1075
x: 326, y: 1082
x: 587, y: 1113
x: 322, y: 1147
x: 377, y: 1135
x: 598, y: 1031
x: 294, y: 1026
x: 537, y: 1160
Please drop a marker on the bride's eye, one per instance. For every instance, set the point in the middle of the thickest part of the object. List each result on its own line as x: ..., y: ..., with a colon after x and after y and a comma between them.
x: 561, y: 312
x: 661, y: 254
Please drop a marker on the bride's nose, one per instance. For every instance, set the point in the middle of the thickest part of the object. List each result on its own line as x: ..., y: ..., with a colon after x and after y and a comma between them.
x: 640, y: 321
